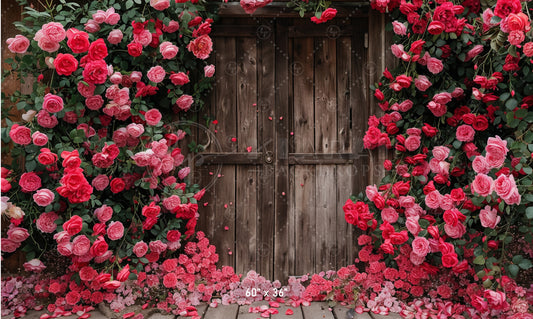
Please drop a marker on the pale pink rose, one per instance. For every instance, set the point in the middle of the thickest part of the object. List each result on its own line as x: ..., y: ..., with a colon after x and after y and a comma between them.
x: 184, y: 172
x: 91, y: 26
x: 514, y: 197
x: 99, y: 16
x: 528, y: 49
x: 156, y: 74
x: 475, y: 51
x: 389, y: 215
x: 420, y: 246
x: 172, y: 203
x: 480, y: 165
x: 433, y: 199
x: 160, y: 5
x: 209, y: 70
x: 62, y: 237
x: 81, y: 245
x: 397, y: 50
x: 456, y: 231
x: 103, y: 213
x: 496, y: 151
x: 482, y: 184
x: 465, y: 133
x: 168, y: 50
x: 115, y: 230
x: 152, y: 117
x: 412, y: 143
x: 45, y: 43
x: 371, y: 192
x: 64, y: 248
x: 140, y: 249
x: 54, y: 31
x: 116, y: 78
x: 437, y: 109
x: 115, y: 36
x: 135, y: 130
x: 505, y: 186
x: 43, y: 197
x: 441, y: 152
x: 144, y: 37
x: 143, y: 159
x: 412, y: 224
x: 112, y: 17
x: 422, y: 83
x: 405, y: 105
x: 184, y: 102
x: 100, y: 182
x: 167, y: 164
x: 39, y: 139
x: 9, y: 246
x: 94, y: 102
x: 446, y: 202
x: 18, y: 234
x: 160, y: 147
x: 46, y: 222
x: 399, y: 28
x: 489, y: 217
x: 52, y: 103
x: 172, y: 27
x: 34, y: 265
x: 416, y: 259
x: 157, y: 246
x: 434, y: 65
x: 18, y: 44
x: 406, y: 201
x: 136, y: 76
x: 442, y: 97
x: 496, y: 299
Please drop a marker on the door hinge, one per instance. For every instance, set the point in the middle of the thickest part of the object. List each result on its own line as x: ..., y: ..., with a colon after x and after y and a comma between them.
x: 366, y: 40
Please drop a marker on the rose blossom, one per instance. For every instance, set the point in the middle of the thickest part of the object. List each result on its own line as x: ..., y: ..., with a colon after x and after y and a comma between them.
x: 112, y: 17
x: 103, y: 213
x: 184, y: 102
x: 73, y: 225
x: 528, y: 49
x: 489, y: 217
x: 99, y: 248
x: 168, y: 50
x: 160, y: 4
x: 412, y: 143
x: 78, y: 41
x: 94, y: 102
x: 43, y: 197
x: 115, y: 231
x: 144, y: 38
x: 140, y: 249
x: 434, y: 65
x: 115, y: 36
x: 65, y: 64
x: 99, y: 16
x: 34, y: 265
x: 157, y: 246
x: 201, y: 47
x: 20, y: 134
x: 18, y: 234
x: 54, y: 31
x: 179, y: 78
x: 209, y: 70
x: 156, y: 74
x: 135, y: 130
x: 9, y: 246
x: 92, y: 26
x: 172, y: 27
x: 29, y: 182
x: 18, y: 44
x: 52, y: 103
x: 496, y: 151
x: 46, y: 222
x: 480, y: 165
x: 135, y: 49
x: 465, y: 133
x: 433, y: 199
x: 45, y: 43
x: 39, y: 139
x: 482, y: 184
x: 389, y: 215
x: 81, y: 245
x: 152, y: 117
x: 399, y: 28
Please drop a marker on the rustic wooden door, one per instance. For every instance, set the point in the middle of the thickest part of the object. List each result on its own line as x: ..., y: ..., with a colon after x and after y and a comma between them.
x: 291, y: 102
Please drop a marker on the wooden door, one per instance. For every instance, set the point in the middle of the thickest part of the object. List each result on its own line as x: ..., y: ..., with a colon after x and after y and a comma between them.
x: 291, y: 101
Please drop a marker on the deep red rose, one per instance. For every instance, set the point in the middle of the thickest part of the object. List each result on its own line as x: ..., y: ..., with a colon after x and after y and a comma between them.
x: 505, y: 7
x: 135, y: 49
x: 65, y: 64
x: 78, y: 41
x: 117, y: 185
x: 95, y: 72
x: 97, y: 50
x: 327, y: 15
x: 480, y: 123
x: 99, y: 247
x: 73, y: 225
x: 449, y: 260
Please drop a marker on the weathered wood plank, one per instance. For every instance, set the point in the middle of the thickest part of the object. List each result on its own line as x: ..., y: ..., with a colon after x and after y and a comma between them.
x: 297, y: 313
x: 326, y: 224
x: 318, y: 310
x: 345, y: 237
x: 246, y: 207
x: 305, y: 218
x: 244, y: 310
x: 391, y: 315
x: 266, y: 83
x: 281, y: 237
x: 344, y: 107
x: 202, y: 309
x: 222, y: 312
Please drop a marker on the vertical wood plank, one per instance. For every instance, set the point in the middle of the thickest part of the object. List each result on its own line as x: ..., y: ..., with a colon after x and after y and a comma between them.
x: 246, y: 178
x: 281, y: 236
x: 318, y: 310
x: 266, y: 90
x: 222, y: 312
x: 304, y: 209
x: 325, y: 142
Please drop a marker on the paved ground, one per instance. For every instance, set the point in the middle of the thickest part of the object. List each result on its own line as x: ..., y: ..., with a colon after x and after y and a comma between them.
x: 316, y: 310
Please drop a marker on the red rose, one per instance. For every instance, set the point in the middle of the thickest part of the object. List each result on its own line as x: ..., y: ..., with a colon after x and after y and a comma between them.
x: 170, y: 280
x: 135, y: 49
x: 73, y: 225
x: 30, y: 182
x: 449, y: 260
x: 327, y: 15
x: 401, y: 188
x: 65, y: 64
x: 87, y: 273
x: 78, y: 41
x: 99, y: 247
x: 97, y: 50
x: 201, y: 47
x: 173, y: 235
x: 117, y: 185
x: 505, y: 7
x: 124, y: 274
x: 72, y: 297
x: 95, y: 72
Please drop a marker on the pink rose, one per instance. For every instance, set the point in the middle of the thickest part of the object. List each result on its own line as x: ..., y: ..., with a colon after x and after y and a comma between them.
x: 52, y: 103
x: 9, y: 246
x: 475, y: 51
x: 184, y: 172
x: 73, y: 225
x: 140, y: 249
x: 442, y: 97
x: 99, y: 16
x: 371, y: 192
x: 92, y: 26
x: 433, y: 199
x: 54, y: 31
x: 456, y: 231
x: 152, y: 117
x: 64, y: 249
x: 160, y: 4
x: 168, y: 50
x: 422, y: 83
x: 144, y: 38
x: 103, y: 213
x: 482, y: 184
x: 34, y: 265
x: 201, y: 47
x: 99, y: 249
x: 45, y: 43
x: 399, y: 28
x: 94, y: 102
x: 43, y: 197
x: 412, y: 224
x: 250, y: 6
x: 115, y: 231
x: 170, y: 280
x: 46, y: 222
x: 389, y: 215
x: 465, y: 133
x: 420, y: 246
x: 135, y: 130
x: 209, y: 70
x: 156, y: 74
x: 496, y: 151
x: 115, y: 36
x: 496, y: 299
x: 528, y: 49
x: 480, y: 165
x: 184, y: 102
x: 29, y: 182
x: 120, y: 137
x: 116, y: 78
x: 437, y: 109
x: 172, y: 27
x: 86, y: 90
x: 100, y: 182
x: 18, y: 44
x: 405, y: 105
x: 434, y: 65
x: 112, y: 17
x: 20, y: 134
x: 143, y: 159
x: 172, y: 203
x: 18, y: 234
x: 157, y: 246
x: 179, y: 78
x: 412, y: 143
x: 441, y: 152
x: 39, y: 139
x: 489, y: 217
x: 135, y: 76
x: 95, y: 72
x: 81, y: 245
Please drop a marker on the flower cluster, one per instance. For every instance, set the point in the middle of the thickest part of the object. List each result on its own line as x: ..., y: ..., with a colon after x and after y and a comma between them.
x: 98, y: 178
x: 320, y: 8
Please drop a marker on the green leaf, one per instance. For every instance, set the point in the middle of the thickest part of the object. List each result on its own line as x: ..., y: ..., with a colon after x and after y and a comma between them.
x: 479, y: 260
x: 513, y: 270
x: 529, y: 212
x: 511, y: 104
x: 525, y: 264
x: 129, y: 4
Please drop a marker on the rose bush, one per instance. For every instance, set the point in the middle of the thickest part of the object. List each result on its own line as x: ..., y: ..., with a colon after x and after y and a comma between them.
x: 454, y: 208
x: 96, y: 161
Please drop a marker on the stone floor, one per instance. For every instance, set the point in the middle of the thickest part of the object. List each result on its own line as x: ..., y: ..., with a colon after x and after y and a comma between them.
x: 316, y: 310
